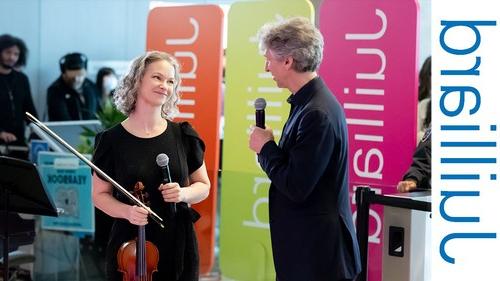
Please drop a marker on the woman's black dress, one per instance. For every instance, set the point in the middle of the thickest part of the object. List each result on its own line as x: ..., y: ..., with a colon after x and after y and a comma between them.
x: 129, y: 159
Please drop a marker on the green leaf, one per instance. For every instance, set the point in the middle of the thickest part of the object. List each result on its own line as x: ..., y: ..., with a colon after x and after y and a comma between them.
x: 109, y: 117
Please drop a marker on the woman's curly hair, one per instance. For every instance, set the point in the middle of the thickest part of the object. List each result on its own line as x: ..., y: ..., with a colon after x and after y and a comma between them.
x: 125, y: 95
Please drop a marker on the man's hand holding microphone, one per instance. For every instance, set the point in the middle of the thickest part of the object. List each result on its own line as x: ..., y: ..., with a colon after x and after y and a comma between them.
x: 259, y: 134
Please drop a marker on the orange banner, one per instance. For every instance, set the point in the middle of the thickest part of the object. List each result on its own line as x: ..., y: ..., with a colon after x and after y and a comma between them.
x: 193, y: 34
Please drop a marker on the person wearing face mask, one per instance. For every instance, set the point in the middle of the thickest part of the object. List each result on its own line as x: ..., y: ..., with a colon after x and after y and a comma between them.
x: 106, y: 82
x: 15, y: 93
x: 72, y: 96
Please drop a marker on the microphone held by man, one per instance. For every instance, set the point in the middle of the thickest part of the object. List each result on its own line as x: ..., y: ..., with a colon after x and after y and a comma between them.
x: 260, y: 114
x: 259, y: 135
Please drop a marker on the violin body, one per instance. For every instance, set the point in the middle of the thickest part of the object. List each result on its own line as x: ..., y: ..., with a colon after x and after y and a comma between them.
x: 138, y: 259
x: 127, y: 259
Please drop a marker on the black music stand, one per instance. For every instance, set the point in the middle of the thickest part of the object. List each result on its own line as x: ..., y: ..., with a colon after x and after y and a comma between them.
x: 22, y: 191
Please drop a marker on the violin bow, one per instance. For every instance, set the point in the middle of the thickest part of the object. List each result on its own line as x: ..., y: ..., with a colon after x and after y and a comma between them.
x: 152, y: 214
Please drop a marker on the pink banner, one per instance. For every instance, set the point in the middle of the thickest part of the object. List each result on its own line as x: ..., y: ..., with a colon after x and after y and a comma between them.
x: 370, y: 63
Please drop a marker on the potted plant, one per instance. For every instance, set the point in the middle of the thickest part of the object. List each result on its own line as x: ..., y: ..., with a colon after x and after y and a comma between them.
x: 109, y: 116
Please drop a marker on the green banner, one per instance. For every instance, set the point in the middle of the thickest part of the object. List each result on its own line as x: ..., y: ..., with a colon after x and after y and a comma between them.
x: 245, y: 252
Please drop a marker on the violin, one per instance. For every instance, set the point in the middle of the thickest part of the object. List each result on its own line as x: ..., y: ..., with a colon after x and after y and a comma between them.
x: 138, y: 259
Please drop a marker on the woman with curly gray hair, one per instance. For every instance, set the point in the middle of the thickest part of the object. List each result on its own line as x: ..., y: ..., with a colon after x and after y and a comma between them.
x: 125, y: 95
x: 148, y: 94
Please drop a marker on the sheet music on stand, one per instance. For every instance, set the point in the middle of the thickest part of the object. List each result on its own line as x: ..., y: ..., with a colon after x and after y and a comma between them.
x: 27, y: 194
x: 22, y: 191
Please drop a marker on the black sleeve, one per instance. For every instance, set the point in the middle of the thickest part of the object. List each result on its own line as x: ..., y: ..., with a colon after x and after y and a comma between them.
x: 293, y: 172
x: 420, y: 169
x: 194, y: 146
x: 103, y: 154
x: 58, y: 111
x: 28, y: 105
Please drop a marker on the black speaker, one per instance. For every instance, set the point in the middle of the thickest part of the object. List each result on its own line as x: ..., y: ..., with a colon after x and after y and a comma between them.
x: 73, y: 61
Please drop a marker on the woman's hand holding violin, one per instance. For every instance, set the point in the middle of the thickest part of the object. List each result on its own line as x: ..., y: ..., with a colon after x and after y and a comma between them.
x: 137, y: 215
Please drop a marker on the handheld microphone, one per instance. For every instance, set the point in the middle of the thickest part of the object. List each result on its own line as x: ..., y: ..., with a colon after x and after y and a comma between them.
x: 162, y: 161
x: 260, y: 114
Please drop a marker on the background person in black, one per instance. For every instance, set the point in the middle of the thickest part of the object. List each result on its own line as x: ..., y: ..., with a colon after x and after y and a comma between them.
x: 15, y: 93
x: 72, y: 96
x: 420, y: 171
x: 312, y: 231
x: 106, y: 81
x: 149, y: 95
x: 418, y: 175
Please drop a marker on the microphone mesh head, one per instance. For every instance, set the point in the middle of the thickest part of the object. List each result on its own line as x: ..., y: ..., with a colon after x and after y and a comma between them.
x: 260, y: 104
x: 162, y: 160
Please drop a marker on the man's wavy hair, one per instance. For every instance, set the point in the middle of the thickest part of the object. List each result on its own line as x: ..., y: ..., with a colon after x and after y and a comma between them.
x: 125, y: 95
x: 296, y: 37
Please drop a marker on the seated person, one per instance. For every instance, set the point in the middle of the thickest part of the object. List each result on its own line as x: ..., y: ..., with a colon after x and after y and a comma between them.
x: 419, y: 173
x: 72, y: 96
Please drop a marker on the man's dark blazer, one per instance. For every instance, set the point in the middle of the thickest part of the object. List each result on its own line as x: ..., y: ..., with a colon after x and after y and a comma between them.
x: 312, y: 231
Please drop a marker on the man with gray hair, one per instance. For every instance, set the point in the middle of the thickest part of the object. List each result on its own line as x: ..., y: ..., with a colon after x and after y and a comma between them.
x: 312, y: 231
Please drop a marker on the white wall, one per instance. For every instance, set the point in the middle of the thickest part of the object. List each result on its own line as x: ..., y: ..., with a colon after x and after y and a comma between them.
x: 425, y: 30
x: 101, y: 29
